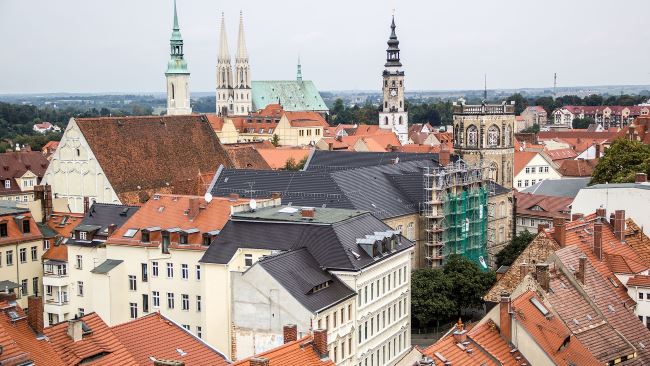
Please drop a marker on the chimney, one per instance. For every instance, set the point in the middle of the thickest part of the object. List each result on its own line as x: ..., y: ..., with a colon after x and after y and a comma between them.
x: 444, y: 157
x: 541, y: 228
x: 523, y: 269
x: 641, y: 178
x: 504, y: 317
x: 559, y: 234
x: 307, y: 212
x: 597, y: 151
x: 330, y: 146
x: 290, y: 333
x: 612, y: 219
x: 619, y: 225
x: 168, y: 363
x: 601, y: 213
x: 259, y: 361
x: 35, y: 313
x: 86, y: 204
x: 576, y: 216
x: 320, y: 342
x: 75, y: 330
x: 582, y: 263
x: 598, y: 240
x: 460, y: 334
x: 541, y: 269
x: 194, y: 208
x: 111, y: 229
x: 233, y: 197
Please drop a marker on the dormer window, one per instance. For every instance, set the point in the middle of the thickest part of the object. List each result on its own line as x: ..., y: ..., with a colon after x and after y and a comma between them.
x: 182, y: 238
x: 321, y: 286
x: 375, y: 249
x: 82, y: 235
x: 3, y: 230
x: 26, y: 227
x: 145, y: 236
x: 385, y: 245
x: 7, y: 184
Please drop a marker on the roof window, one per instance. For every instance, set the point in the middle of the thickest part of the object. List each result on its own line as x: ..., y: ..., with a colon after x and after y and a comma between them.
x: 542, y: 309
x: 130, y: 233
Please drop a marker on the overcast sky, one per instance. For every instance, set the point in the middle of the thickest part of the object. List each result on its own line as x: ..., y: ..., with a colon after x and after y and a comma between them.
x: 123, y: 45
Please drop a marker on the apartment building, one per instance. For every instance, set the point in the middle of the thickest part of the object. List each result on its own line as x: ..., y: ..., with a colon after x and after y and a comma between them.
x: 532, y: 167
x: 605, y: 116
x: 20, y: 171
x: 21, y: 247
x: 533, y: 210
x: 363, y: 253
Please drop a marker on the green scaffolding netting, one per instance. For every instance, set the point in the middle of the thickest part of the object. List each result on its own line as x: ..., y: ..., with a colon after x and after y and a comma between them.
x: 465, y: 225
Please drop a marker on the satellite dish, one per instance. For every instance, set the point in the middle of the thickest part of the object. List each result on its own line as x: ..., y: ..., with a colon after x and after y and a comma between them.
x: 207, y: 197
x: 253, y: 204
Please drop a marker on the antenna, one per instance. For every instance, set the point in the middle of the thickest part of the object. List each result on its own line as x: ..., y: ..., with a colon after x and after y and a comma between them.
x: 207, y: 197
x: 485, y: 87
x: 253, y: 204
x: 554, y: 84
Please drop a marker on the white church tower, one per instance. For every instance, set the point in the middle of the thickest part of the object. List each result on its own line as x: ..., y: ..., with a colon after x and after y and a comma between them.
x: 177, y: 75
x: 393, y: 115
x: 242, y: 86
x: 225, y: 94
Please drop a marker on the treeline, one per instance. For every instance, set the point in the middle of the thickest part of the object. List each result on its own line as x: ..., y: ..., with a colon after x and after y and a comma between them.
x: 435, y: 113
x: 550, y: 104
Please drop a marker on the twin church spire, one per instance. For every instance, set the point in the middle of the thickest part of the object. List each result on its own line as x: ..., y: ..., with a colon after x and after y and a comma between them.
x: 234, y: 95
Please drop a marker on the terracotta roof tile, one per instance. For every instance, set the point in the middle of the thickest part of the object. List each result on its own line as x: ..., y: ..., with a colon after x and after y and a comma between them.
x: 15, y: 232
x: 63, y: 222
x: 277, y: 158
x: 578, y: 168
x: 639, y: 280
x: 15, y: 164
x: 538, y: 205
x: 57, y: 253
x: 156, y: 336
x: 297, y: 353
x: 561, y: 154
x: 246, y: 157
x: 306, y: 119
x: 522, y: 158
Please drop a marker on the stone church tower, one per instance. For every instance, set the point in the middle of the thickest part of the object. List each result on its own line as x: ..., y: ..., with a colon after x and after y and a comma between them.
x: 486, y: 132
x: 393, y: 115
x: 234, y: 95
x: 177, y: 75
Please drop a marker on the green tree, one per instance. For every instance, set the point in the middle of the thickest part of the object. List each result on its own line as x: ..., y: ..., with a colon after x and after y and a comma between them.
x: 338, y: 107
x: 511, y: 251
x: 431, y: 299
x: 275, y: 140
x: 548, y: 103
x: 593, y: 100
x: 470, y: 282
x: 532, y: 129
x: 520, y: 102
x: 621, y: 162
x: 582, y: 122
x: 291, y: 164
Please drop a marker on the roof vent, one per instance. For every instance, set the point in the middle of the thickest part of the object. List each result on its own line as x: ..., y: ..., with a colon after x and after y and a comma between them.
x: 156, y: 197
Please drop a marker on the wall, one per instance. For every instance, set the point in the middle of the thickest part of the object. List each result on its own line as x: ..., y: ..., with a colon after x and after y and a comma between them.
x: 22, y: 271
x: 635, y: 202
x: 523, y: 179
x: 500, y: 224
x: 91, y: 257
x: 410, y: 228
x: 290, y: 136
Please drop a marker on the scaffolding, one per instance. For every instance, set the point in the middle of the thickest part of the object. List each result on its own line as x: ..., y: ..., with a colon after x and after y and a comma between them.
x: 456, y: 212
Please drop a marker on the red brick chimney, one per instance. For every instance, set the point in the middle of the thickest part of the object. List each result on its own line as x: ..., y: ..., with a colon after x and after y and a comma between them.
x: 111, y: 229
x: 290, y: 333
x: 601, y: 213
x: 307, y: 212
x: 541, y: 228
x: 541, y: 270
x: 35, y: 313
x: 598, y: 240
x: 320, y: 342
x: 612, y: 219
x: 582, y: 263
x: 619, y: 225
x: 505, y: 321
x: 523, y: 269
x: 641, y: 178
x: 460, y: 334
x: 576, y: 216
x: 194, y: 208
x: 259, y: 361
x: 443, y: 157
x: 559, y: 234
x: 86, y: 204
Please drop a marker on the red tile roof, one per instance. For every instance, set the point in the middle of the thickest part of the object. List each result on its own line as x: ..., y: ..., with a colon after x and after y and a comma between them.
x: 15, y: 231
x: 15, y: 164
x: 522, y: 158
x: 639, y: 280
x: 561, y: 154
x: 422, y: 149
x: 64, y: 222
x: 306, y: 119
x: 19, y: 342
x: 56, y: 253
x: 297, y: 353
x: 246, y: 157
x: 156, y: 336
x: 638, y: 130
x: 277, y: 158
x: 538, y: 205
x: 578, y: 168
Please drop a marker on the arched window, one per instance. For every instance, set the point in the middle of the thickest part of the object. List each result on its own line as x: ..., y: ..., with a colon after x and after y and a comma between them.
x: 494, y: 171
x: 173, y: 92
x: 502, y: 209
x: 472, y: 136
x: 386, y: 120
x: 508, y: 136
x: 493, y: 136
x: 401, y: 121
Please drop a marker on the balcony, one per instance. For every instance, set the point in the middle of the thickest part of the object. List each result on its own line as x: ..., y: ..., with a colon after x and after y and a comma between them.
x: 57, y: 300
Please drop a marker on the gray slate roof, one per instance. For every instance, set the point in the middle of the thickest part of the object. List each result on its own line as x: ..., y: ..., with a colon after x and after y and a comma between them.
x: 340, y: 160
x: 332, y: 244
x: 567, y: 187
x: 46, y: 231
x: 100, y: 216
x: 8, y: 285
x: 106, y: 266
x: 298, y: 272
x: 11, y: 208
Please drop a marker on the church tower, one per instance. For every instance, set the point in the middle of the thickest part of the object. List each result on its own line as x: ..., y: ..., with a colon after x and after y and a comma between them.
x: 225, y: 94
x: 393, y: 115
x: 243, y: 101
x: 177, y: 75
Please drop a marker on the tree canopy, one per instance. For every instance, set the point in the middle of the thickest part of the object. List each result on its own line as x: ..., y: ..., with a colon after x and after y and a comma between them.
x: 582, y: 122
x: 621, y: 162
x: 511, y: 251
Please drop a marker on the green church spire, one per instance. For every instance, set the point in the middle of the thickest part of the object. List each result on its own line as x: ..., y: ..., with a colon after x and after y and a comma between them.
x: 176, y: 64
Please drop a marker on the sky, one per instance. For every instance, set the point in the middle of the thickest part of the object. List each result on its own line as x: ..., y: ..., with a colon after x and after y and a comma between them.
x: 82, y: 46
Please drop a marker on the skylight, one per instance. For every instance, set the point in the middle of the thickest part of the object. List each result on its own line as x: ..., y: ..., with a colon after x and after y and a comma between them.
x: 542, y: 309
x: 288, y: 210
x: 130, y: 233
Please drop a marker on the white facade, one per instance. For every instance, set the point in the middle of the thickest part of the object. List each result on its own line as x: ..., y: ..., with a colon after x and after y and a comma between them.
x: 75, y: 173
x: 641, y: 295
x: 634, y: 198
x: 535, y: 171
x: 178, y: 94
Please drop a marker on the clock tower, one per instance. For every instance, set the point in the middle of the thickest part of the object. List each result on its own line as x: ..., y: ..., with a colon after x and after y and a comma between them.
x: 393, y: 115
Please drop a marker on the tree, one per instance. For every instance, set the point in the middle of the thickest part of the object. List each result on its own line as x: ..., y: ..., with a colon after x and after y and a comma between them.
x: 520, y: 102
x: 291, y: 164
x: 275, y: 140
x: 548, y: 103
x: 430, y: 296
x: 593, y: 100
x: 470, y: 282
x: 511, y: 251
x: 582, y: 122
x: 532, y: 129
x: 621, y: 162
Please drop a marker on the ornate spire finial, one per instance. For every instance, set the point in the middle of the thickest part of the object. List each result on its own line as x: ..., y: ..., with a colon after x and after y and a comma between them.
x: 224, y: 53
x: 175, y: 18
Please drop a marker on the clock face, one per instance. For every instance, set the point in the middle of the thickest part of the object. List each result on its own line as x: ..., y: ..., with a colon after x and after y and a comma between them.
x: 393, y: 92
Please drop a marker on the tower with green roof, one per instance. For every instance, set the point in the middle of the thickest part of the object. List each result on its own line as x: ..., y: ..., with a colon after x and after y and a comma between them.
x: 177, y: 75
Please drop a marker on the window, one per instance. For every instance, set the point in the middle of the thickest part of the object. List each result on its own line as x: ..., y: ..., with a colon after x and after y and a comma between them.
x: 182, y: 238
x: 132, y: 284
x: 248, y: 260
x: 145, y: 274
x: 526, y: 183
x: 79, y: 263
x: 185, y: 272
x: 23, y: 287
x: 170, y: 270
x: 199, y: 332
x: 545, y: 169
x: 349, y: 312
x: 145, y: 236
x: 34, y: 254
x: 133, y: 309
x: 493, y: 136
x: 80, y: 288
x: 48, y: 290
x: 327, y: 322
x: 532, y: 170
x: 145, y: 303
x: 9, y: 254
x: 26, y: 227
x: 527, y: 170
x: 198, y: 272
x: 198, y: 303
x: 519, y: 183
x: 22, y: 254
x: 82, y: 235
x: 334, y: 319
x: 170, y: 300
x: 7, y: 183
x: 165, y: 242
x: 472, y: 136
x: 206, y: 240
x: 3, y: 230
x: 532, y: 182
x: 154, y: 269
x: 155, y: 299
x: 81, y: 312
x: 186, y: 327
x: 185, y: 302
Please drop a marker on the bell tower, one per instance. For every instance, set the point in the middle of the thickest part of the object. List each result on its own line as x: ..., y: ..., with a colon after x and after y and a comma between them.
x: 393, y: 115
x: 177, y: 75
